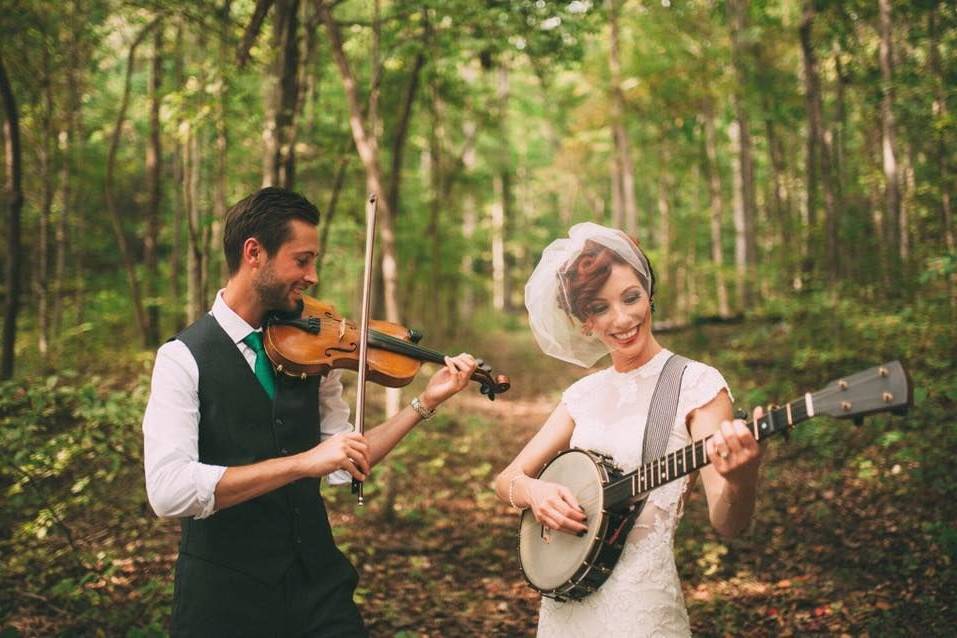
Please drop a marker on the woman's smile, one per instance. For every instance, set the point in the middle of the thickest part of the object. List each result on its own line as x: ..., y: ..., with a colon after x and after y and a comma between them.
x: 624, y: 338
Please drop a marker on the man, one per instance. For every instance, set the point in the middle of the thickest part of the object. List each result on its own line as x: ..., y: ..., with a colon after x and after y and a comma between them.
x: 237, y: 452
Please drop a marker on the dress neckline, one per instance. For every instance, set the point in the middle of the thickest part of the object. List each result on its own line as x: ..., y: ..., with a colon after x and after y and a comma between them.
x: 648, y: 369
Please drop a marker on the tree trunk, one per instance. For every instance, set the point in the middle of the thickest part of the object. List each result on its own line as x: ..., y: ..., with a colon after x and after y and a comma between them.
x: 665, y: 268
x: 839, y: 143
x: 196, y: 262
x: 65, y: 195
x: 282, y: 97
x: 367, y: 148
x: 46, y: 155
x: 627, y: 215
x: 497, y: 213
x: 288, y: 93
x: 433, y: 232
x: 820, y: 151
x: 222, y: 139
x: 501, y: 206
x: 738, y: 215
x: 892, y: 197
x: 330, y: 214
x: 713, y: 172
x: 401, y: 133
x: 780, y: 197
x: 469, y: 223
x: 13, y: 186
x: 811, y: 97
x: 617, y: 207
x: 136, y: 295
x: 252, y: 31
x: 154, y: 161
x: 745, y: 206
x: 940, y: 114
x: 70, y: 224
x: 179, y: 208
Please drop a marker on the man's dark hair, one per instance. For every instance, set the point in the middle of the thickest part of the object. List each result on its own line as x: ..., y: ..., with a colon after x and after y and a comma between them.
x: 264, y: 215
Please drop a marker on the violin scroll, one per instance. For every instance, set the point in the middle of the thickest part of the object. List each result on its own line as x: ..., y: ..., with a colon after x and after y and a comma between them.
x: 490, y: 384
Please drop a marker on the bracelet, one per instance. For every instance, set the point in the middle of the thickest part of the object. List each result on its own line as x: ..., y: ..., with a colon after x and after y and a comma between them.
x: 421, y: 410
x: 511, y: 488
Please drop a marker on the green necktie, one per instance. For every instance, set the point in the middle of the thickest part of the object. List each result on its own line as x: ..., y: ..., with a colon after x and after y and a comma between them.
x: 264, y: 371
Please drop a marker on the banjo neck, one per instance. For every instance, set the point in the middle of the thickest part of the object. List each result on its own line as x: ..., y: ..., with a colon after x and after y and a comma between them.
x: 878, y: 389
x: 674, y: 465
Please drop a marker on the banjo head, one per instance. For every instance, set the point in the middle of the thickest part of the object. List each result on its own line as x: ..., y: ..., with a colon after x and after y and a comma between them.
x: 550, y: 559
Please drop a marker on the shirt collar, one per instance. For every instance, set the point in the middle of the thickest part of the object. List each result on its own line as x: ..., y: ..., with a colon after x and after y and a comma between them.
x: 234, y: 325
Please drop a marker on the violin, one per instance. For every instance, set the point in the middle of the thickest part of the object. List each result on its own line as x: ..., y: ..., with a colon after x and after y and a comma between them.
x: 315, y: 339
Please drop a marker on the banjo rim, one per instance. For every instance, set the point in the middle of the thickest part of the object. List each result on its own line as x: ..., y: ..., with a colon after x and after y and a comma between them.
x: 567, y: 587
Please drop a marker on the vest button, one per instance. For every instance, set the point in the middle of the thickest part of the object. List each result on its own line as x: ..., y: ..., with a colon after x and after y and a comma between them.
x: 284, y: 451
x: 279, y: 422
x: 299, y: 540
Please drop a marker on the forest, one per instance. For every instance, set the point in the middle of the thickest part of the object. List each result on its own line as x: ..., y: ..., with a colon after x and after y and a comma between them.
x: 787, y: 165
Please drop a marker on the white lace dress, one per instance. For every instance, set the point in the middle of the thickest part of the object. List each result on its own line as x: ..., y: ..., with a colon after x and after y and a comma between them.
x: 643, y: 595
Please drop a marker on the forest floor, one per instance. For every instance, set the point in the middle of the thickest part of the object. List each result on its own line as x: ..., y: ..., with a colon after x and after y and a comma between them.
x: 854, y: 533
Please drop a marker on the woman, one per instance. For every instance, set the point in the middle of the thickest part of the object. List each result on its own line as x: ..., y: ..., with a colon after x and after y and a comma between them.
x: 592, y: 294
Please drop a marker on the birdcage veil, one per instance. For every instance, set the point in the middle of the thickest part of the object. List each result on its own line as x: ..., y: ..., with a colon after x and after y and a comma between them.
x: 558, y: 332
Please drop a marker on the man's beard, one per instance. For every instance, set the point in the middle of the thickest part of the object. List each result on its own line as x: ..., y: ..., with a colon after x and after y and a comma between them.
x: 273, y: 294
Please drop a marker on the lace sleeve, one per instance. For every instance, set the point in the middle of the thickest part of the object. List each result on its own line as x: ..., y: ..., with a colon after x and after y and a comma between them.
x: 576, y: 397
x: 700, y: 385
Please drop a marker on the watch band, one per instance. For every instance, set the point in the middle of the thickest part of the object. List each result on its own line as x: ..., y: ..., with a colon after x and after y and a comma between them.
x: 421, y: 410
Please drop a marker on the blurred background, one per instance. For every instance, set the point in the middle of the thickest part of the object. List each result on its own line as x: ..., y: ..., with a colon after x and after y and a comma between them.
x: 788, y: 166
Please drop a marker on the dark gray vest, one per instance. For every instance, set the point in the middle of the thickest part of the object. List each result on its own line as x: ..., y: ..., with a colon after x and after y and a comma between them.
x: 239, y: 425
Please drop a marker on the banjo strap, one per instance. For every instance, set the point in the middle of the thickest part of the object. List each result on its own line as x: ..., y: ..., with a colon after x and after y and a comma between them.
x: 661, y: 415
x: 663, y: 409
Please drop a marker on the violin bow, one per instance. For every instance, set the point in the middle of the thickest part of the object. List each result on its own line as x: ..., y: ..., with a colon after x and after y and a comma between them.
x: 364, y: 330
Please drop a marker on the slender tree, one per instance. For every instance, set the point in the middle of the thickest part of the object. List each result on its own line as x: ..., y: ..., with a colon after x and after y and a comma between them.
x: 716, y: 215
x: 14, y: 188
x: 892, y: 196
x: 366, y: 146
x: 126, y: 252
x: 625, y: 211
x: 744, y: 199
x: 154, y: 177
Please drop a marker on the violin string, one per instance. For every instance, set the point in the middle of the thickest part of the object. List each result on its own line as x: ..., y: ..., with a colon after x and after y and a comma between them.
x: 387, y: 341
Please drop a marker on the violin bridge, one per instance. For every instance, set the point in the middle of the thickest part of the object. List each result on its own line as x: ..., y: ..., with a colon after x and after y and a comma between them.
x: 342, y: 328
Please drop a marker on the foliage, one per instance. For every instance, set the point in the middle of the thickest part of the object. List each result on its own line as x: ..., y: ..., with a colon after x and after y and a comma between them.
x: 74, y: 506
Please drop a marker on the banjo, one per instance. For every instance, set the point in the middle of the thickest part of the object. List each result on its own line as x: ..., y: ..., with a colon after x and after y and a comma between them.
x: 568, y: 567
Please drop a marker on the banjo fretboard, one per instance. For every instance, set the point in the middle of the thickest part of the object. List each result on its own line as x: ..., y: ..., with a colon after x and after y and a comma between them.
x: 676, y: 464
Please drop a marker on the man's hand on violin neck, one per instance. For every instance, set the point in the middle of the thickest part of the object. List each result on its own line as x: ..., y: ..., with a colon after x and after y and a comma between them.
x: 449, y: 380
x: 347, y: 451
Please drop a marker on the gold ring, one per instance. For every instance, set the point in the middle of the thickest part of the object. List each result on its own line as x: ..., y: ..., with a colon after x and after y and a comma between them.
x: 723, y: 454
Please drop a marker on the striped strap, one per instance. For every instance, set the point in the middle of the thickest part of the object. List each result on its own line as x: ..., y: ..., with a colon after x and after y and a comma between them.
x: 661, y: 419
x: 664, y: 408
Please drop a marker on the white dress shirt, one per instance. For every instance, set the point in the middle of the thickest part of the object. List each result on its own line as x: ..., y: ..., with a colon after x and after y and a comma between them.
x: 177, y: 483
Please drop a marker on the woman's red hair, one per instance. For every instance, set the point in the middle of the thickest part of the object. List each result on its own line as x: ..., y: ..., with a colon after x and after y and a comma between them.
x: 585, y: 276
